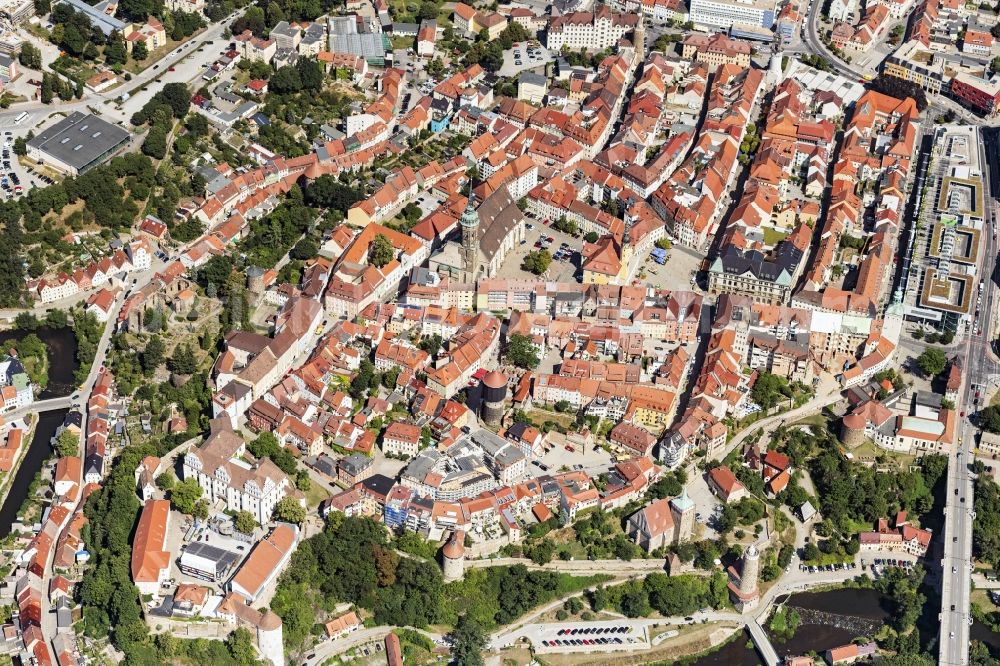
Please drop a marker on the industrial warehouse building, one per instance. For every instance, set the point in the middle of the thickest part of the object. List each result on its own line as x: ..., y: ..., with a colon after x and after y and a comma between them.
x: 77, y: 143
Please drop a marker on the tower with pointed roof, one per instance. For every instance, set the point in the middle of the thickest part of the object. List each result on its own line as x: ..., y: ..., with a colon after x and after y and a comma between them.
x: 453, y: 556
x: 683, y: 512
x: 470, y: 242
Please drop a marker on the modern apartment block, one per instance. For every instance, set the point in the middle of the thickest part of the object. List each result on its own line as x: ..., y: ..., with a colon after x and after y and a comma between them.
x: 729, y: 13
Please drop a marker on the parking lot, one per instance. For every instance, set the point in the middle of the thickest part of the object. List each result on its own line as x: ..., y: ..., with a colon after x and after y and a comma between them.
x: 587, y: 637
x: 848, y: 566
x: 563, y: 269
x: 593, y: 460
x: 523, y: 57
x: 15, y: 178
x: 682, y: 263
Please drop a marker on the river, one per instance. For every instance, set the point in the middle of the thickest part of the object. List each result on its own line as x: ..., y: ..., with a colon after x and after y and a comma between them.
x: 867, y: 605
x: 38, y: 451
x: 61, y: 344
x: 818, y: 637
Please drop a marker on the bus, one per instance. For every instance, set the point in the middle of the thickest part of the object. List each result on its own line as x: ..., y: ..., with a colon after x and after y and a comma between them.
x: 20, y: 117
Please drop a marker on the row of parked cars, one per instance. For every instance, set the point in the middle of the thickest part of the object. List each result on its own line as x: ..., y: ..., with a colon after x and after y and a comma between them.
x: 889, y: 562
x: 585, y: 631
x: 9, y: 181
x: 828, y: 567
x: 576, y: 642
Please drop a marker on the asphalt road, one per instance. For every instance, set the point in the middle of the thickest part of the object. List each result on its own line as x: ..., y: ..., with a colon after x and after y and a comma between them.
x: 811, y: 37
x: 102, y: 102
x: 956, y: 563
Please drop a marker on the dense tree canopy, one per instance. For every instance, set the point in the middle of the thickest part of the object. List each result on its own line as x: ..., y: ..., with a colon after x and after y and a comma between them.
x: 769, y: 390
x: 849, y: 491
x: 521, y: 352
x: 932, y: 361
x: 328, y: 192
x: 380, y: 251
x: 350, y: 560
x: 468, y: 641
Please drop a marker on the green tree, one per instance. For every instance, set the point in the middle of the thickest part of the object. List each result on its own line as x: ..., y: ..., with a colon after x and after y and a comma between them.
x: 183, y: 362
x: 152, y: 356
x: 285, y: 81
x: 537, y: 262
x: 769, y: 390
x: 310, y: 73
x: 155, y: 144
x: 185, y: 496
x: 380, y: 251
x: 989, y: 419
x: 46, y: 94
x: 166, y: 480
x: 139, y: 51
x: 26, y: 321
x: 932, y: 362
x: 115, y: 51
x: 328, y: 192
x: 431, y: 344
x: 591, y: 237
x: 542, y: 552
x: 245, y: 522
x: 521, y: 352
x: 241, y: 647
x: 306, y: 248
x: 30, y: 56
x: 468, y: 640
x: 289, y: 510
x: 67, y: 444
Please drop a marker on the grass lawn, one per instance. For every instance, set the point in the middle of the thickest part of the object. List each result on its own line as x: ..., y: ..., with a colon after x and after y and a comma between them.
x: 315, y: 494
x: 540, y: 416
x: 867, y: 450
x: 773, y: 236
x: 402, y: 42
x: 815, y: 420
x: 982, y: 599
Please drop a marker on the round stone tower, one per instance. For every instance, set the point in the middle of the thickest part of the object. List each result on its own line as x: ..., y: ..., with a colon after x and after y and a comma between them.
x: 269, y: 639
x: 494, y: 395
x: 750, y: 572
x: 255, y: 279
x: 453, y: 556
x: 852, y: 430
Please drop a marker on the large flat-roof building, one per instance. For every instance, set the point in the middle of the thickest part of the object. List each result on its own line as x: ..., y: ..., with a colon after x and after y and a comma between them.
x: 734, y: 13
x: 207, y: 562
x: 77, y: 143
x: 101, y: 15
x: 17, y: 11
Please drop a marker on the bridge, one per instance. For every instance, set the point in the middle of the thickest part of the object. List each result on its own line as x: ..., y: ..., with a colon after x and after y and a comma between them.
x: 38, y: 406
x: 762, y: 643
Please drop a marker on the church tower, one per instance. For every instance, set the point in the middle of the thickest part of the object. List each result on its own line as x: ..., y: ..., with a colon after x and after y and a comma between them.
x: 470, y: 243
x: 682, y: 510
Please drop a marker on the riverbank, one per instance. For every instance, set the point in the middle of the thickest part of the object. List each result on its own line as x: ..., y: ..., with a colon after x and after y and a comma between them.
x: 29, y: 473
x: 8, y: 480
